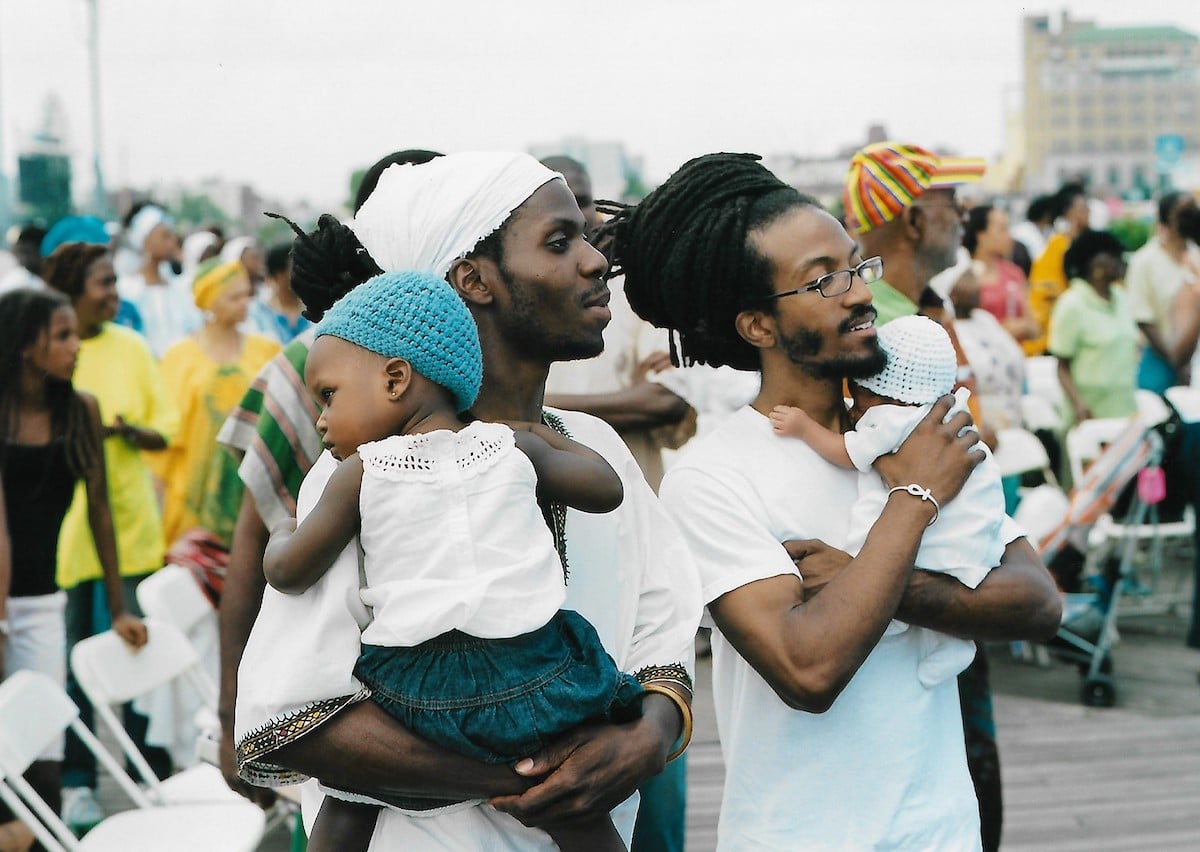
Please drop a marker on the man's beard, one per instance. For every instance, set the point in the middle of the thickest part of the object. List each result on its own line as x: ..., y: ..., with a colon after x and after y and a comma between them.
x: 530, y: 336
x: 803, y: 347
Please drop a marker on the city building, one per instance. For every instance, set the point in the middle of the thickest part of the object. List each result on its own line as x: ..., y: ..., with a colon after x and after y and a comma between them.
x: 1116, y: 106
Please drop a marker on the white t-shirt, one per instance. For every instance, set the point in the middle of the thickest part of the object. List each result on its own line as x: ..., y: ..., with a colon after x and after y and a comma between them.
x: 885, y: 767
x: 168, y: 311
x: 1152, y: 282
x: 631, y: 576
x: 453, y: 538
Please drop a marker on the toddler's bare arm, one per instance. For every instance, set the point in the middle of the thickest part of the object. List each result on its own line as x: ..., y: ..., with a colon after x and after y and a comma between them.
x: 298, y: 556
x: 567, y: 471
x: 795, y: 423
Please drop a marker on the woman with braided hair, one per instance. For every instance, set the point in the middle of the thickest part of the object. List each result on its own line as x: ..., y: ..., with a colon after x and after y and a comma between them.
x: 815, y: 705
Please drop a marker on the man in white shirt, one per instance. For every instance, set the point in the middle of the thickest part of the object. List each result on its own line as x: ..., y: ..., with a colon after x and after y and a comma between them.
x: 830, y: 741
x: 512, y: 239
x: 1156, y: 271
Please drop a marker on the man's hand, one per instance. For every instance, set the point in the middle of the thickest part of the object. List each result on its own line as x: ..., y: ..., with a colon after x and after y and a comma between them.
x: 655, y: 362
x: 261, y: 796
x: 131, y: 629
x: 592, y: 769
x: 935, y: 456
x: 817, y: 562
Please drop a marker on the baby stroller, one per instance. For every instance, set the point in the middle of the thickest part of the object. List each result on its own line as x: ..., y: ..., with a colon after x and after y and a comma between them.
x: 1124, y: 450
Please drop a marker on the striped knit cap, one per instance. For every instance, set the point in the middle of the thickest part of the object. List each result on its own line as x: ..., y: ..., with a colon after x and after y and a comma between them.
x: 887, y: 177
x: 418, y: 317
x: 921, y: 363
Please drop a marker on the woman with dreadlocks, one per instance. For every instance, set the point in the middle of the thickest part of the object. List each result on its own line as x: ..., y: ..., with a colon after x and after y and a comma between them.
x: 50, y: 439
x: 812, y: 699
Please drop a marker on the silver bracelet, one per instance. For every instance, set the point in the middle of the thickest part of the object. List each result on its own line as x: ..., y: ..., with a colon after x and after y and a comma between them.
x: 924, y: 493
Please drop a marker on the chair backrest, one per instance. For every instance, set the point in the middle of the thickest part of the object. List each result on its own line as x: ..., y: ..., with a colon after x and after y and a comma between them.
x: 1185, y: 400
x: 110, y: 672
x: 1020, y: 451
x: 1041, y: 378
x: 1088, y: 439
x: 34, y: 710
x: 172, y: 594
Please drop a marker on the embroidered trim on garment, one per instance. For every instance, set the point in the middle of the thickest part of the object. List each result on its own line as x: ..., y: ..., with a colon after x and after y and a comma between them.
x: 420, y: 458
x: 283, y: 730
x: 675, y: 673
x: 558, y: 511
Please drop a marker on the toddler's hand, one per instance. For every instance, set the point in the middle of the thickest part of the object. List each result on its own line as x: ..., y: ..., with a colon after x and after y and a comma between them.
x: 787, y: 420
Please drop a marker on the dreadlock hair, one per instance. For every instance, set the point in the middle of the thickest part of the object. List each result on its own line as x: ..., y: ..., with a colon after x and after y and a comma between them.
x: 370, y: 178
x: 66, y: 269
x: 24, y: 316
x: 327, y: 264
x: 686, y: 254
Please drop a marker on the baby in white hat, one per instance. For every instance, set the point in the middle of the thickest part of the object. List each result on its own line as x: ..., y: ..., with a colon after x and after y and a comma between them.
x: 965, y: 538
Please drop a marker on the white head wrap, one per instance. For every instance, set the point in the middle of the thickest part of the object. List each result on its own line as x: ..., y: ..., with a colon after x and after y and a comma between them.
x: 195, y: 245
x: 232, y: 250
x: 145, y: 221
x: 425, y: 217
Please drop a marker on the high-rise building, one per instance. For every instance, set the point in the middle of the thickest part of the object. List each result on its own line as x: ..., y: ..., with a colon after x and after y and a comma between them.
x: 1116, y: 106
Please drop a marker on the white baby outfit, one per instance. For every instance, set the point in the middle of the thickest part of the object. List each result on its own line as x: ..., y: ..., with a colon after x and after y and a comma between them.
x: 454, y: 539
x: 966, y: 541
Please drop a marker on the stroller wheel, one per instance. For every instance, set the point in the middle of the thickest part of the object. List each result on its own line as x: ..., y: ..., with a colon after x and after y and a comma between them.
x: 1098, y: 693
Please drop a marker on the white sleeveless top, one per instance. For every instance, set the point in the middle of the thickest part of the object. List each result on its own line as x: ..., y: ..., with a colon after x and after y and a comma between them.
x: 453, y: 538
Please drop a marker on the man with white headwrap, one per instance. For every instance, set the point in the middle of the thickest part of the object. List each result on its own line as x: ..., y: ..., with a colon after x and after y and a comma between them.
x: 163, y: 299
x: 507, y: 234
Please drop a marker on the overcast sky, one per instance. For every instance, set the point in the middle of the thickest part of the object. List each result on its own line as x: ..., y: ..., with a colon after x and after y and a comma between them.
x: 292, y: 95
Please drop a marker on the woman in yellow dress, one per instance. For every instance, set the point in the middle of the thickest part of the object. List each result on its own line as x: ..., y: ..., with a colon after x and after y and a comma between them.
x: 207, y: 374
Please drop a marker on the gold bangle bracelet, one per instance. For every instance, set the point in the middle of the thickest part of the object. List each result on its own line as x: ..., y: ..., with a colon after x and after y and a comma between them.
x: 685, y: 711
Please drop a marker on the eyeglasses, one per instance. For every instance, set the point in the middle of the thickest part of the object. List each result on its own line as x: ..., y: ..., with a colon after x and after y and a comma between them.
x: 837, y: 283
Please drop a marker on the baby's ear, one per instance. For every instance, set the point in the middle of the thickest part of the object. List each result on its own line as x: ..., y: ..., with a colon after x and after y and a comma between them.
x: 398, y: 375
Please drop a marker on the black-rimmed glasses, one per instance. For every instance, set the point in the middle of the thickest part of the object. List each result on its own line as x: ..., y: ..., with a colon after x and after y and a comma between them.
x: 837, y: 283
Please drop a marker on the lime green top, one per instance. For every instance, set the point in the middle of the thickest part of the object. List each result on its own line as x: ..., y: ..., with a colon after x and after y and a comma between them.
x: 1100, y: 338
x: 890, y: 303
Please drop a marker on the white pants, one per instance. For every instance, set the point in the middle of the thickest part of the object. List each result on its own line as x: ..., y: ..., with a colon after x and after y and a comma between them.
x: 37, y: 640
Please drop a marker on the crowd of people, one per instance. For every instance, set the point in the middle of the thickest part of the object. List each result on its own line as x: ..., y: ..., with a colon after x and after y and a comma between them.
x: 467, y: 471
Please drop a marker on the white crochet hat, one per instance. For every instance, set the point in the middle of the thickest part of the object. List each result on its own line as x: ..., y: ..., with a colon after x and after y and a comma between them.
x: 921, y: 362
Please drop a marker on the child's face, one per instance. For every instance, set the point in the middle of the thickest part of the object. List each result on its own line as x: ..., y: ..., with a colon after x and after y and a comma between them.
x: 863, y: 399
x: 352, y: 386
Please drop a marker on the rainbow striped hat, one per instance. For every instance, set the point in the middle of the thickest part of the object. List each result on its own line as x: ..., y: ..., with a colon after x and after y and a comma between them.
x: 886, y: 177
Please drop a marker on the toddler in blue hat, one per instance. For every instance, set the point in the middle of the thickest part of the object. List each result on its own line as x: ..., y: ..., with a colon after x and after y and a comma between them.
x: 467, y: 645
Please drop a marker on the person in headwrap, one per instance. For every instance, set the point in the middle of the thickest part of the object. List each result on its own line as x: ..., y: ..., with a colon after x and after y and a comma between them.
x: 206, y: 375
x: 91, y: 230
x: 508, y: 235
x: 160, y: 295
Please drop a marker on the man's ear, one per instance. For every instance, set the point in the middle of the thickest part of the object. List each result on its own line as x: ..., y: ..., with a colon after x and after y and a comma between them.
x: 757, y: 327
x: 467, y: 277
x: 398, y: 375
x: 914, y: 223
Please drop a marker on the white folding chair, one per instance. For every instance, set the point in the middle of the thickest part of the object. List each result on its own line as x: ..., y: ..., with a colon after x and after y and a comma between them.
x: 1020, y: 451
x: 1043, y: 400
x: 34, y: 711
x: 110, y: 673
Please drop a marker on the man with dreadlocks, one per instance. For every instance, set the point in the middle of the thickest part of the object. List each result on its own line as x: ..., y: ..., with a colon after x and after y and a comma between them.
x: 507, y: 234
x: 830, y: 740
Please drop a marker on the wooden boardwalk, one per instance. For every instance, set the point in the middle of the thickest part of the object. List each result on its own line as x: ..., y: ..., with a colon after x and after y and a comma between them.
x: 1075, y: 780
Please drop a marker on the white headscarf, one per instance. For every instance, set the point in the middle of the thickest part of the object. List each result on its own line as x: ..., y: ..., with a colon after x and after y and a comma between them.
x: 425, y: 217
x: 194, y: 245
x: 232, y: 250
x: 145, y: 221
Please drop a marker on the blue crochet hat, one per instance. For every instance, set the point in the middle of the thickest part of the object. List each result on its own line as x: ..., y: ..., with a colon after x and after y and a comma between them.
x: 418, y: 317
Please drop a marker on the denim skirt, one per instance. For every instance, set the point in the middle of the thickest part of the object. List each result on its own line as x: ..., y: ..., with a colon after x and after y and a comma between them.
x: 500, y: 700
